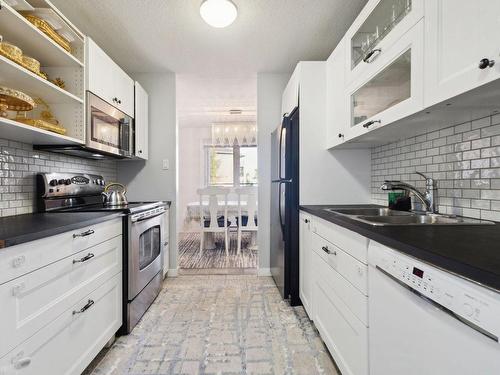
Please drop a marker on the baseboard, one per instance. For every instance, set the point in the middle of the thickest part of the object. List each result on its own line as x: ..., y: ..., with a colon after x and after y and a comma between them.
x: 264, y: 272
x: 172, y: 272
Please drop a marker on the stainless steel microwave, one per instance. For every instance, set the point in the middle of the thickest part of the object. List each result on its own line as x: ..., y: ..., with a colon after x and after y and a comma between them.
x: 108, y: 129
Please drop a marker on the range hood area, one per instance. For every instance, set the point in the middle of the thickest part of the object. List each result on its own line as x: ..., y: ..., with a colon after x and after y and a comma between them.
x: 81, y: 151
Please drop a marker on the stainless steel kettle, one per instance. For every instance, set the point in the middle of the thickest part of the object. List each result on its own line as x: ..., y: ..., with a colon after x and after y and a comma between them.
x: 114, y: 197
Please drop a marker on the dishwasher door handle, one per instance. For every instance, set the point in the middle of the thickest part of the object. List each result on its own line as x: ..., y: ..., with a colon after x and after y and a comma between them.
x: 440, y: 307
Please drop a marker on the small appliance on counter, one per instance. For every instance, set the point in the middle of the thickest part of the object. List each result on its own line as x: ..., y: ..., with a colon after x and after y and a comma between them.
x: 144, y: 233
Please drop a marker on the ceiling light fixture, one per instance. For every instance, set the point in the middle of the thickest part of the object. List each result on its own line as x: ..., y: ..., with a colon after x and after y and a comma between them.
x: 218, y: 13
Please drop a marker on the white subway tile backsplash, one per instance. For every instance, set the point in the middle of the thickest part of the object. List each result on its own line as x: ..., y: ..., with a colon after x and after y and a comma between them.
x: 19, y: 164
x: 464, y: 160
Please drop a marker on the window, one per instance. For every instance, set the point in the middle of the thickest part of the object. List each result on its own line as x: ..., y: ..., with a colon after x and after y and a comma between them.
x: 230, y: 166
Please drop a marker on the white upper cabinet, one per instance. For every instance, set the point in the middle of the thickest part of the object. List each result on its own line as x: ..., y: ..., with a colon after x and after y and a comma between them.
x: 462, y: 42
x: 141, y: 121
x: 337, y: 111
x: 392, y: 90
x: 107, y: 80
x: 290, y: 98
x: 380, y: 24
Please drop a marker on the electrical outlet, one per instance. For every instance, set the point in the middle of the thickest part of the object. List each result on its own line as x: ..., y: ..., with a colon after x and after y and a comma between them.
x: 165, y: 164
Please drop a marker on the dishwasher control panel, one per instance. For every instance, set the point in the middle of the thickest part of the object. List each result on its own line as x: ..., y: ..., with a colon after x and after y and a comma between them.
x: 465, y: 300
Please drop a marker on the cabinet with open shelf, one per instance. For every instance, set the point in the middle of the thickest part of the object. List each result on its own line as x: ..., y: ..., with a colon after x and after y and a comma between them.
x: 66, y: 103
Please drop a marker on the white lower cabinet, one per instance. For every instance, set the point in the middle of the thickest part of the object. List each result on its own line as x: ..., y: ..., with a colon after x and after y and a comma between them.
x: 32, y: 301
x: 337, y: 274
x: 345, y: 335
x: 305, y: 263
x: 61, y: 300
x: 69, y: 343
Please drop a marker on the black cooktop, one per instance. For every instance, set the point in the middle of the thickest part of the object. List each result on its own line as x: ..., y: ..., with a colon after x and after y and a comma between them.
x: 131, y: 207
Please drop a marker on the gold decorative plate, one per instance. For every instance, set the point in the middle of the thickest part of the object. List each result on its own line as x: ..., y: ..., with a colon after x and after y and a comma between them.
x: 15, y: 100
x: 45, y: 27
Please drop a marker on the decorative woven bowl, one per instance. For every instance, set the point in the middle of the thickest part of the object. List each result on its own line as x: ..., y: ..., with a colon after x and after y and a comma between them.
x: 45, y: 27
x: 14, y: 100
x: 11, y: 52
x: 31, y: 64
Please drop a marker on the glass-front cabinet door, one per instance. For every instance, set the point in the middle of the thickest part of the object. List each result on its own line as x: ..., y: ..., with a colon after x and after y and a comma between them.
x: 379, y: 26
x: 393, y: 90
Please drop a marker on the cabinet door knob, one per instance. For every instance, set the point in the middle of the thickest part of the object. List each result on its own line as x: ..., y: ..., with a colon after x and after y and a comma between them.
x: 119, y: 101
x: 306, y: 221
x: 486, y: 63
x: 370, y: 123
x: 20, y: 363
x: 368, y: 58
x: 326, y: 250
x: 341, y: 135
x: 140, y: 151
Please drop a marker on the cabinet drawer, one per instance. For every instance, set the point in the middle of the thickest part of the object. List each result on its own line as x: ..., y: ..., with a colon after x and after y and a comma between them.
x: 343, y: 333
x: 69, y: 343
x: 349, y: 241
x: 32, y: 301
x: 350, y: 268
x: 18, y: 260
x: 355, y: 301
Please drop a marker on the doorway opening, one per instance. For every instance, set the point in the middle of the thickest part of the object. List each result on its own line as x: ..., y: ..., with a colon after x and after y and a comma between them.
x: 217, y: 175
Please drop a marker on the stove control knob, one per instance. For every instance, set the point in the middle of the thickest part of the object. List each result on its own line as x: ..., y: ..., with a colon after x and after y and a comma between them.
x: 61, y: 181
x: 53, y: 182
x: 103, y: 183
x: 67, y: 182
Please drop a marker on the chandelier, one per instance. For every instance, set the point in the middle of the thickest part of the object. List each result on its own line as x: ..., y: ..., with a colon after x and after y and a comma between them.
x: 230, y: 134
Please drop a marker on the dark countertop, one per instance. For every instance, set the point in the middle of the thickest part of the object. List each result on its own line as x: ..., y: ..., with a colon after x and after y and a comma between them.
x: 15, y: 230
x: 470, y: 251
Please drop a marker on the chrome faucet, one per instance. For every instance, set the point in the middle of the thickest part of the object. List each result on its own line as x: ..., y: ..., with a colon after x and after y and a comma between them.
x: 428, y: 198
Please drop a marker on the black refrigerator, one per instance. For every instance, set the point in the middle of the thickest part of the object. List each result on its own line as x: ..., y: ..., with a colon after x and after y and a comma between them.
x: 285, y: 207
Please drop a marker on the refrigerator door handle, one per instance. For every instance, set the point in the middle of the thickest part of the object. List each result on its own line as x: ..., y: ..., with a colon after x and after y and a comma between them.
x: 280, y: 208
x: 281, y: 152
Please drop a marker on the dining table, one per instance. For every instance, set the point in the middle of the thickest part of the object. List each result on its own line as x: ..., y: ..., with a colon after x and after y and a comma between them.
x: 193, y: 213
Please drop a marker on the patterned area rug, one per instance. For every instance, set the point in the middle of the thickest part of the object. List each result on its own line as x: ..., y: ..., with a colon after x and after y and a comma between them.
x: 190, y: 258
x: 214, y: 325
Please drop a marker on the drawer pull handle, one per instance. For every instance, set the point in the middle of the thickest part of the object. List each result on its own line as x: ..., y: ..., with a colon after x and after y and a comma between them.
x: 368, y: 58
x: 84, y: 259
x: 22, y: 362
x: 486, y: 63
x: 370, y: 123
x: 84, y: 308
x: 84, y: 234
x: 165, y: 243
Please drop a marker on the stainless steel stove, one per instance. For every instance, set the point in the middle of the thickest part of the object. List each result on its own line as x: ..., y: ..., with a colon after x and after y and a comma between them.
x: 143, y: 234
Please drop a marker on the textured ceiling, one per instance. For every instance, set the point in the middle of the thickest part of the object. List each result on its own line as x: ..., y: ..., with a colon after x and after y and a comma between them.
x: 169, y: 35
x: 204, y: 100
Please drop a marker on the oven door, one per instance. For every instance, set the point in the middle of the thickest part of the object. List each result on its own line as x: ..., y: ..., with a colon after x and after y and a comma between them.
x: 108, y: 129
x: 145, y: 253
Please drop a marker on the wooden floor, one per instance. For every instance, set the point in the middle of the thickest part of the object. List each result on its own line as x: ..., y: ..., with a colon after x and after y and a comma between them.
x: 216, y: 259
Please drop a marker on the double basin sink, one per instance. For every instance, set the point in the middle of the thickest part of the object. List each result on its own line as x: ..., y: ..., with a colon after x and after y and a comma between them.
x: 386, y: 216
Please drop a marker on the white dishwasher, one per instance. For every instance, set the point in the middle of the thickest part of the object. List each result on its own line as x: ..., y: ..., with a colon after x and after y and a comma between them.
x: 424, y: 321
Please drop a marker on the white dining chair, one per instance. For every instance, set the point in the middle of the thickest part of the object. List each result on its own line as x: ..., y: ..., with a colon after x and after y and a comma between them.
x: 212, y: 221
x: 246, y: 195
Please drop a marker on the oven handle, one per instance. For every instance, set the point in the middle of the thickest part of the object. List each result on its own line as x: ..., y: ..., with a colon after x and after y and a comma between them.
x: 147, y: 217
x: 441, y: 307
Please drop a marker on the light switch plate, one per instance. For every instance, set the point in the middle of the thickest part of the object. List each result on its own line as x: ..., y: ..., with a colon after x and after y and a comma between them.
x: 165, y: 164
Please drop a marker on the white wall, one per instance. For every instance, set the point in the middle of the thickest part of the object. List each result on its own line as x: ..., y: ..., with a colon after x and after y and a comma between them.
x: 191, y: 168
x: 146, y: 180
x: 270, y: 88
x: 326, y: 177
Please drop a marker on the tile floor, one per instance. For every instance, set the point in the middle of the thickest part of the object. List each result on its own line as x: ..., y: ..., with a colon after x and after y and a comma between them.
x: 219, y: 324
